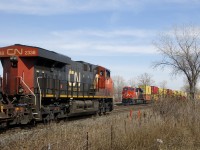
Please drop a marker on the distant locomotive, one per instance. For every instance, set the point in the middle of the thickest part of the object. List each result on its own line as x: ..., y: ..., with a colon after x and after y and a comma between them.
x: 41, y: 85
x: 132, y: 95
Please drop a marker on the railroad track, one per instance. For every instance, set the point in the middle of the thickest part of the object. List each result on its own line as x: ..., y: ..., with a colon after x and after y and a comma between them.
x: 121, y: 108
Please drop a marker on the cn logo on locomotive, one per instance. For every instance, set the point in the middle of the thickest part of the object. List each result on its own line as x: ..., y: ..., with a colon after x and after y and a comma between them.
x: 75, y: 77
x: 14, y: 51
x: 18, y: 52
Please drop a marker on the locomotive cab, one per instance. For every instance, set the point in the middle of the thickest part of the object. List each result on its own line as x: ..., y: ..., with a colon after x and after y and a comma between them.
x: 104, y: 81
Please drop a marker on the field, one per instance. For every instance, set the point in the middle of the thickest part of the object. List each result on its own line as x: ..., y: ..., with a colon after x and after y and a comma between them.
x: 169, y: 124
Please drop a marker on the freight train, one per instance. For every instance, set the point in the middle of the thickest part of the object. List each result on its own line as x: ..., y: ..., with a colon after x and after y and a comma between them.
x: 148, y: 94
x: 42, y: 85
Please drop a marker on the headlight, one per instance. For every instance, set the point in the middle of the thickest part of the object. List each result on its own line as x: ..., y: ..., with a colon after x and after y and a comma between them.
x: 21, y: 90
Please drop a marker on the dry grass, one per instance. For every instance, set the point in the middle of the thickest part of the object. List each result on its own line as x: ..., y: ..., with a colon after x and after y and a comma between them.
x: 170, y: 125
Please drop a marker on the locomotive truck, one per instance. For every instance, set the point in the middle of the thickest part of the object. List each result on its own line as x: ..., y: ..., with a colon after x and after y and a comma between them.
x: 42, y: 85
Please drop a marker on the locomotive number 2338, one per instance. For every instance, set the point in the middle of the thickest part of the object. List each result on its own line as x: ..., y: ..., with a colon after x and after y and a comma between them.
x: 18, y: 52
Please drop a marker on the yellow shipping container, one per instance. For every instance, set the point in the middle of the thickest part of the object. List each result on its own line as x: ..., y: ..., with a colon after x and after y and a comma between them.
x: 176, y: 93
x: 185, y: 94
x: 173, y: 92
x: 146, y: 89
x: 160, y: 91
x: 165, y: 91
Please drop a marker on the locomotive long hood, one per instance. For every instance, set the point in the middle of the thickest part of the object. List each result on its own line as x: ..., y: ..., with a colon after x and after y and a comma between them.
x: 31, y: 51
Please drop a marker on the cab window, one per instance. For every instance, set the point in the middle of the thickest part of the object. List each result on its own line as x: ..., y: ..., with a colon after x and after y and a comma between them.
x: 101, y: 73
x: 125, y: 89
x: 108, y: 73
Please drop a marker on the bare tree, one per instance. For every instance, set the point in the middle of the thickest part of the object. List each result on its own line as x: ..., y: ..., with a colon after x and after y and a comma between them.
x: 145, y: 79
x: 132, y: 82
x: 181, y: 52
x: 185, y: 87
x: 163, y: 84
x: 119, y: 83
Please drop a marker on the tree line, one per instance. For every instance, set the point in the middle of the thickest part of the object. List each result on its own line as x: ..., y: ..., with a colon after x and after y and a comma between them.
x: 180, y: 51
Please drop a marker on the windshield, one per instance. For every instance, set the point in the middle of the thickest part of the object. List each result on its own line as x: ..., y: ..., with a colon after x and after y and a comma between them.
x: 125, y: 89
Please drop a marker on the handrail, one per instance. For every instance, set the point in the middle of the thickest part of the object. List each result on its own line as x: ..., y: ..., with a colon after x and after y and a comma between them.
x: 39, y: 91
x: 28, y: 88
x: 1, y: 83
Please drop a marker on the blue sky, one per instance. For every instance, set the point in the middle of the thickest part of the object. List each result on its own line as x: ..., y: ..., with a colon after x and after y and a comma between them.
x: 117, y: 34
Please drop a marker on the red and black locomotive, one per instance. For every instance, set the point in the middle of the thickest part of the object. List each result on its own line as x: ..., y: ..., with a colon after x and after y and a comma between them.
x: 41, y: 85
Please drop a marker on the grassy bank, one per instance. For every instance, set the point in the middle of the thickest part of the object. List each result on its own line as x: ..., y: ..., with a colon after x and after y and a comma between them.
x: 170, y: 124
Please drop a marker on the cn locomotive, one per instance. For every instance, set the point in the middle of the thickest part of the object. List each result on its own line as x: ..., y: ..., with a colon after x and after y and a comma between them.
x: 42, y: 85
x: 132, y: 95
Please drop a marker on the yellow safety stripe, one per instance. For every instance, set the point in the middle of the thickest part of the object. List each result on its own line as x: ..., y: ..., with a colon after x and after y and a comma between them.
x: 70, y: 96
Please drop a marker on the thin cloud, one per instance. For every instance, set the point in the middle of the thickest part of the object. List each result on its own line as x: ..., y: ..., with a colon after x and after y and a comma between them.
x: 101, y: 42
x: 95, y: 49
x: 126, y: 49
x: 93, y: 42
x: 48, y: 7
x: 122, y: 33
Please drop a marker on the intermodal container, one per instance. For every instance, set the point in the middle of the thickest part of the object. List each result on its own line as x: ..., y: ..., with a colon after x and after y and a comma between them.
x: 182, y: 93
x: 160, y: 91
x: 176, y: 93
x: 185, y: 94
x: 146, y: 89
x: 169, y: 92
x: 164, y: 91
x: 154, y: 90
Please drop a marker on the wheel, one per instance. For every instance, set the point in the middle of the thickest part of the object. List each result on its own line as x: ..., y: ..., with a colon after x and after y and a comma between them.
x: 99, y: 113
x: 46, y: 120
x: 56, y: 119
x: 33, y: 122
